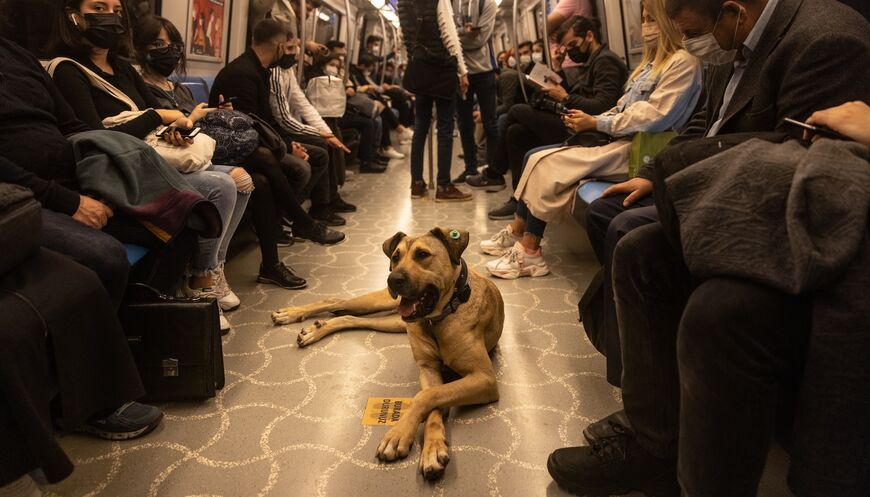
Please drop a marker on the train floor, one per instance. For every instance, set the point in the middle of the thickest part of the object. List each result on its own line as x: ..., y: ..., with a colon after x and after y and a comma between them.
x: 289, y: 420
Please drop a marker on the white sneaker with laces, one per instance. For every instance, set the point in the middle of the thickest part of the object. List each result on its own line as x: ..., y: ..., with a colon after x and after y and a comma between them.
x: 392, y: 153
x: 203, y: 293
x: 516, y: 263
x: 227, y: 299
x: 500, y: 243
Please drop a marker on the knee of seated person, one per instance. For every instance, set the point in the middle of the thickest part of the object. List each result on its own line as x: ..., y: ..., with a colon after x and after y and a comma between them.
x: 711, y: 316
x: 631, y: 254
x: 223, y: 183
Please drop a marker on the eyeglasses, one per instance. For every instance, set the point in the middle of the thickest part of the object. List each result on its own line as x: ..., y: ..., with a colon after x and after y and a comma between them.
x: 177, y: 48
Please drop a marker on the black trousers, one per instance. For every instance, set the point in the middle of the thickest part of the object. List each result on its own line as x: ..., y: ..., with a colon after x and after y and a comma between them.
x: 526, y: 128
x: 366, y: 128
x: 607, y: 221
x: 322, y: 188
x: 706, y: 363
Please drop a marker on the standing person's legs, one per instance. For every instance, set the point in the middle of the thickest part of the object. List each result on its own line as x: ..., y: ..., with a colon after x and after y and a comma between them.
x: 739, y: 343
x: 91, y: 248
x: 465, y: 120
x: 446, y: 109
x: 487, y: 93
x: 423, y: 111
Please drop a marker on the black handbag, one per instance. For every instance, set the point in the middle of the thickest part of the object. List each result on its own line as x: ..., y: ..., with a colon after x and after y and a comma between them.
x: 269, y: 138
x: 234, y: 135
x: 176, y: 343
x: 428, y: 74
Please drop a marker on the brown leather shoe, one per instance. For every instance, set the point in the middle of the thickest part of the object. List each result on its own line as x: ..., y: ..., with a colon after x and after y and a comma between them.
x: 418, y: 189
x: 449, y: 193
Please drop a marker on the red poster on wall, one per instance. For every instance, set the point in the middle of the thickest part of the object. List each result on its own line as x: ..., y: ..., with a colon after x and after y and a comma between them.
x: 205, y: 30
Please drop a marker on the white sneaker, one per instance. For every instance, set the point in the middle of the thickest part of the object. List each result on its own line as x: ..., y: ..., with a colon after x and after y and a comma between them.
x: 227, y: 299
x: 201, y: 293
x: 516, y: 263
x: 392, y: 153
x: 500, y: 243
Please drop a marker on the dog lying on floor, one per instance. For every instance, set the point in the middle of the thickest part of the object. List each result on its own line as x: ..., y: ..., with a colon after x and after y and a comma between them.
x: 453, y: 317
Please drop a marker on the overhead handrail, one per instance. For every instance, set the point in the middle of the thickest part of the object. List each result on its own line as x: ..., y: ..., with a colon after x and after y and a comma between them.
x: 547, y: 56
x: 383, y: 63
x: 517, y: 48
x: 349, y: 36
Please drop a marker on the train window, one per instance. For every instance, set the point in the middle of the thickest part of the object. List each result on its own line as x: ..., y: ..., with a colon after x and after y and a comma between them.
x: 328, y: 24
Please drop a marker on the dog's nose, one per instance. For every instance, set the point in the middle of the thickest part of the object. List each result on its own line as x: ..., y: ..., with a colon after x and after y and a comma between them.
x: 397, y: 282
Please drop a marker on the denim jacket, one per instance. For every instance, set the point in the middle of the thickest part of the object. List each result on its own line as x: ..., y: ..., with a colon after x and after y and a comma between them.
x: 656, y: 103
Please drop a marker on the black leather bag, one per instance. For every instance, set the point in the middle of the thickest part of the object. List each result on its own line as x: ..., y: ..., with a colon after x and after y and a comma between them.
x: 269, y: 138
x: 176, y: 344
x: 20, y: 226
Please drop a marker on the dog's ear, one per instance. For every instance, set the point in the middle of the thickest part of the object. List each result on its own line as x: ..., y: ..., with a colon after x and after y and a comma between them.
x: 455, y: 240
x: 391, y: 243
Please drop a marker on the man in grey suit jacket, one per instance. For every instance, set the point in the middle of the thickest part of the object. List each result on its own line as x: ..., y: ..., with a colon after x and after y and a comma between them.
x: 771, y: 59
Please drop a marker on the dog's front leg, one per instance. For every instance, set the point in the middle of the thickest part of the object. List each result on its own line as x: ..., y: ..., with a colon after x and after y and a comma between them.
x: 434, y: 456
x: 398, y: 441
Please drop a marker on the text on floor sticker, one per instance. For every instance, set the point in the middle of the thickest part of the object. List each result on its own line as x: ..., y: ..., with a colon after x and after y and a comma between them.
x: 385, y: 411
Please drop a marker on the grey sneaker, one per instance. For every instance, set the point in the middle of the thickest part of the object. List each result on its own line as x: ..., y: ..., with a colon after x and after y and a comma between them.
x: 131, y: 420
x: 228, y: 300
x: 506, y: 211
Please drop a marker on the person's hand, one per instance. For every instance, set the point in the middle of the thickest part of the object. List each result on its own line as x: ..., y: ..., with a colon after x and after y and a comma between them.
x: 379, y: 106
x: 334, y: 142
x: 224, y: 104
x: 476, y: 116
x: 174, y: 137
x: 851, y: 119
x: 92, y: 213
x: 317, y: 48
x: 579, y: 121
x: 300, y: 151
x: 349, y: 92
x: 463, y: 84
x: 169, y: 116
x: 558, y: 58
x: 200, y: 111
x: 556, y: 92
x: 636, y: 188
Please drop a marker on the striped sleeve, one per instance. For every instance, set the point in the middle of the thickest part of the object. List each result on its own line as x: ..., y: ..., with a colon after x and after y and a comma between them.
x: 449, y: 36
x: 278, y: 92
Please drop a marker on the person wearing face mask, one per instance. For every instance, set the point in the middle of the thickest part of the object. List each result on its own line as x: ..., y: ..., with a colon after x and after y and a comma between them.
x: 527, y: 126
x: 768, y: 59
x: 524, y: 56
x: 564, y: 11
x: 538, y: 52
x: 301, y: 123
x: 508, y: 86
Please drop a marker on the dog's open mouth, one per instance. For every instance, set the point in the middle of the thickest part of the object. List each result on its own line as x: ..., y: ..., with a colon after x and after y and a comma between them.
x: 412, y: 308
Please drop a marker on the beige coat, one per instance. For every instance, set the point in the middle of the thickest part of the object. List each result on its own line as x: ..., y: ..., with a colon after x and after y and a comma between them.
x: 551, y: 177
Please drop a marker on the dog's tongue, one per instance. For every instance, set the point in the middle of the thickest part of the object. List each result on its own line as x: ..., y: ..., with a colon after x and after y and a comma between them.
x: 407, y: 307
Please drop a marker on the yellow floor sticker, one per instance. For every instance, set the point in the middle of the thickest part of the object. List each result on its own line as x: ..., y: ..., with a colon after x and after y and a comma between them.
x: 385, y: 411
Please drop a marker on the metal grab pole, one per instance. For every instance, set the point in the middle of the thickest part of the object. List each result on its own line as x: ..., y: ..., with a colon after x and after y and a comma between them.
x: 516, y: 43
x: 431, y: 143
x: 383, y: 63
x: 300, y: 64
x: 548, y: 58
x: 349, y: 37
x: 354, y: 42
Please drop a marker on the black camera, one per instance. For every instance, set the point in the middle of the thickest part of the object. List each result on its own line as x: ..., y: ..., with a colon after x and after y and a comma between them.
x: 542, y: 102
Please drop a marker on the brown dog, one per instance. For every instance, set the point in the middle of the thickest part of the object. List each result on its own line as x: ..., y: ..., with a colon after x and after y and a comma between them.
x: 453, y: 317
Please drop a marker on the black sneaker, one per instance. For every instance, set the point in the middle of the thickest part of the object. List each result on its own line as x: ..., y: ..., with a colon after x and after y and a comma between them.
x: 320, y: 234
x: 461, y: 178
x: 340, y: 205
x: 381, y: 159
x: 281, y: 275
x: 285, y: 237
x: 131, y: 420
x: 505, y: 211
x: 327, y: 217
x: 488, y: 182
x: 611, y: 425
x: 614, y: 465
x: 371, y: 167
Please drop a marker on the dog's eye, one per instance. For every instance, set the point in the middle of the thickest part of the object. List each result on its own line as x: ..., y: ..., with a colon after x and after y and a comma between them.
x: 422, y: 254
x: 396, y: 258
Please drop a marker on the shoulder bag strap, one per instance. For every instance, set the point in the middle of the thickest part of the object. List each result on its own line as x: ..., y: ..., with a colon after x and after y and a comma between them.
x: 96, y: 80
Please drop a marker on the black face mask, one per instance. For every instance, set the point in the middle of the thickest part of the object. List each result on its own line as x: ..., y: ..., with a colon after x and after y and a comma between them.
x: 163, y: 60
x: 104, y: 30
x: 578, y: 56
x: 287, y: 61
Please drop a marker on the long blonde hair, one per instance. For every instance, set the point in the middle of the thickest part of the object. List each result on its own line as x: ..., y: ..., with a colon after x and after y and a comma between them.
x: 669, y: 42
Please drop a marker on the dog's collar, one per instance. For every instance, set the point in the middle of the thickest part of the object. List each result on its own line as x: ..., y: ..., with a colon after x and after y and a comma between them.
x: 461, y: 294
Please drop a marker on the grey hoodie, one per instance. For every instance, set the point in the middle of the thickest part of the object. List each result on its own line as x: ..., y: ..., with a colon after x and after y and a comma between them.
x: 476, y: 44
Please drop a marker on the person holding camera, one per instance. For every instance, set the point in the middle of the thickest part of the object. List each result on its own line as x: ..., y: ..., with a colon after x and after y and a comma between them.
x: 660, y: 96
x: 539, y: 123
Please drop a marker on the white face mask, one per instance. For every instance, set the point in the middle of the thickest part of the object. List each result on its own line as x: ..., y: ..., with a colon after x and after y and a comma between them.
x: 525, y: 59
x: 706, y: 48
x: 330, y: 70
x: 537, y: 57
x: 512, y: 61
x: 650, y: 32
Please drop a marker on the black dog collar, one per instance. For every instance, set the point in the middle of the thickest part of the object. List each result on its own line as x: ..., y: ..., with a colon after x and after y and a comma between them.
x: 461, y: 294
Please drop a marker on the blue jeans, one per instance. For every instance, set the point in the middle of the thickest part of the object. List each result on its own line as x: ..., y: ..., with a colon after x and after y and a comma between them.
x: 216, y: 185
x: 482, y: 86
x: 446, y: 109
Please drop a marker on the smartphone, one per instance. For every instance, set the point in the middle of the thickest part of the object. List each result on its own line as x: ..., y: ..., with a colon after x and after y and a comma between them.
x: 231, y: 100
x: 819, y: 130
x: 185, y: 132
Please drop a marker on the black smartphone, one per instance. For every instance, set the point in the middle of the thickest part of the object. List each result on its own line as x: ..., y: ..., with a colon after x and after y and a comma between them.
x: 185, y: 132
x: 231, y: 100
x: 819, y: 130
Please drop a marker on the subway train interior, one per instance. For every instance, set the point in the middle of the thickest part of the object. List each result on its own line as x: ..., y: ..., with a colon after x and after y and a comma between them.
x: 441, y: 248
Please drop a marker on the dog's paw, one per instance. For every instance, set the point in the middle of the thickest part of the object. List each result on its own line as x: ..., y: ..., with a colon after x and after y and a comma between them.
x: 434, y: 457
x: 288, y: 315
x: 311, y: 334
x: 397, y: 443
